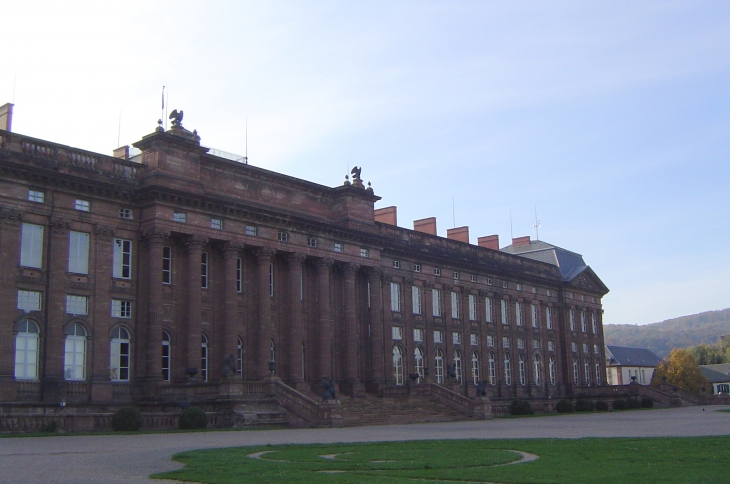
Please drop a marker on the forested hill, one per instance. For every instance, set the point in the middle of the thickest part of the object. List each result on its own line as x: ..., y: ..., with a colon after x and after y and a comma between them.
x: 703, y: 328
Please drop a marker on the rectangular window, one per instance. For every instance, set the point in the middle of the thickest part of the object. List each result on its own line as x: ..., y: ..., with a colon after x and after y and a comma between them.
x: 122, y: 262
x: 505, y: 317
x: 519, y: 287
x: 36, y: 196
x: 167, y: 265
x: 582, y: 297
x: 82, y: 205
x: 438, y: 336
x: 395, y: 296
x: 77, y: 305
x: 505, y: 342
x: 533, y: 307
x: 416, y: 293
x: 574, y: 347
x: 518, y: 313
x: 436, y: 293
x: 455, y: 305
x: 490, y: 341
x: 473, y: 278
x: 585, y: 347
x: 551, y: 345
x: 204, y: 270
x: 489, y: 281
x: 549, y: 292
x: 472, y: 307
x: 504, y: 284
x: 520, y: 343
x: 535, y: 344
x: 271, y: 280
x: 216, y: 223
x: 571, y: 315
x: 396, y: 264
x: 456, y: 276
x: 474, y: 339
x: 301, y: 286
x: 78, y: 252
x: 121, y: 309
x: 251, y: 230
x: 181, y: 217
x: 416, y: 267
x: 456, y: 338
x: 339, y: 247
x: 364, y: 252
x: 239, y: 274
x: 549, y: 318
x: 570, y: 295
x: 125, y: 213
x: 593, y: 323
x: 418, y: 335
x: 31, y: 245
x: 534, y: 290
x: 283, y: 237
x: 29, y: 300
x: 595, y: 349
x: 397, y: 332
x: 311, y: 242
x: 436, y: 271
x: 583, y: 326
x: 488, y: 309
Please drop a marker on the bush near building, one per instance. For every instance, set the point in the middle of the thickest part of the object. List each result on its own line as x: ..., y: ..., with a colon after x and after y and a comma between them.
x: 565, y: 406
x: 127, y: 419
x: 193, y: 418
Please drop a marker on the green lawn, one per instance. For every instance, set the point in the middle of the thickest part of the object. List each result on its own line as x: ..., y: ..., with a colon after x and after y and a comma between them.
x: 610, y: 461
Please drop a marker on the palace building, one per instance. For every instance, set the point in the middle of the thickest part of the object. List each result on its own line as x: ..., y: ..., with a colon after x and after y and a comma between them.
x: 175, y: 273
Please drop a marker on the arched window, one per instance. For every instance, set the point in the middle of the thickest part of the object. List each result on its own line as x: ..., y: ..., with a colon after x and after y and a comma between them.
x: 492, y: 369
x: 204, y: 358
x: 587, y: 371
x: 552, y: 370
x: 507, y: 369
x: 397, y: 365
x: 165, y: 356
x: 74, y: 361
x: 239, y: 357
x: 475, y: 367
x: 119, y: 355
x: 598, y: 372
x: 576, y: 377
x: 419, y: 362
x: 523, y: 371
x: 538, y: 374
x: 457, y: 365
x: 26, y: 351
x: 439, y: 365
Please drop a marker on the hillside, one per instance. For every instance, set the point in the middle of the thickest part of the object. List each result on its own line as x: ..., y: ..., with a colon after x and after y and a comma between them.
x: 702, y: 328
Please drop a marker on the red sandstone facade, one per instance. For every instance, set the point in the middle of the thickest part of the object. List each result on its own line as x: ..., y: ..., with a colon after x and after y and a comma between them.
x: 183, y: 258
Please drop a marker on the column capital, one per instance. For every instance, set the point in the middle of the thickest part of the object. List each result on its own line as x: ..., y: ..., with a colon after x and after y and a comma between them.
x: 324, y: 262
x: 264, y: 254
x: 428, y: 285
x: 349, y: 268
x: 230, y: 248
x: 11, y: 216
x: 155, y: 235
x: 195, y: 242
x: 296, y: 259
x: 59, y: 226
x: 104, y: 232
x: 373, y: 272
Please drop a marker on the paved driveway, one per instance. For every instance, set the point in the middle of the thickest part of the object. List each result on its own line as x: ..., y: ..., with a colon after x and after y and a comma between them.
x: 131, y: 458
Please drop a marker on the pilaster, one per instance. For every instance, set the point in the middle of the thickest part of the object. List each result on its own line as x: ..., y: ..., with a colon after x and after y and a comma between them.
x: 194, y: 245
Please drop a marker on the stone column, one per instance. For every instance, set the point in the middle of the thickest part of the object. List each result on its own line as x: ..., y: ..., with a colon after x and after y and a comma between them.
x: 229, y: 346
x: 194, y: 245
x: 100, y: 266
x: 265, y: 326
x: 377, y: 354
x: 351, y: 374
x: 10, y: 221
x: 296, y: 324
x: 155, y: 238
x: 324, y: 323
x: 55, y: 305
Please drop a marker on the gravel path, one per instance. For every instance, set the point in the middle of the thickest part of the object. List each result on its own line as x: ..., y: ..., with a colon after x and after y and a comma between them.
x: 131, y: 458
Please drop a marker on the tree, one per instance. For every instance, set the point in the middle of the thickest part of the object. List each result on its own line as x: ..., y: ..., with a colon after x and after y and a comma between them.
x: 682, y: 370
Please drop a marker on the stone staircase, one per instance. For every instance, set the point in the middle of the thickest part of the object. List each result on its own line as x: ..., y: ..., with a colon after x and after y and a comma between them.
x: 373, y: 410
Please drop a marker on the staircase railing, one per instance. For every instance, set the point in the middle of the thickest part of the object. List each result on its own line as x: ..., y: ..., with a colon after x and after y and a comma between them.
x: 477, y: 409
x: 325, y: 414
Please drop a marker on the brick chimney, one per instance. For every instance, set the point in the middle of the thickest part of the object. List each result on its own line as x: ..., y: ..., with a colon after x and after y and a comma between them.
x: 458, y: 233
x: 489, y: 241
x: 425, y: 225
x: 518, y: 241
x: 387, y: 215
x: 6, y: 117
x: 122, y: 152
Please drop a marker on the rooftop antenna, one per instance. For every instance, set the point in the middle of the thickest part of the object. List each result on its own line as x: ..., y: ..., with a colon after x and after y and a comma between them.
x: 163, y: 106
x: 511, y: 234
x: 245, y: 158
x: 536, y: 225
x: 453, y: 210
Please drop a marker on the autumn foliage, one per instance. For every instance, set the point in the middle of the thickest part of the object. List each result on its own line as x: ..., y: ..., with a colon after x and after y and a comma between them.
x: 681, y: 370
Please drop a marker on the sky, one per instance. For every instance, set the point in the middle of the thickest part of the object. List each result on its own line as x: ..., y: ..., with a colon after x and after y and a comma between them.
x: 609, y: 120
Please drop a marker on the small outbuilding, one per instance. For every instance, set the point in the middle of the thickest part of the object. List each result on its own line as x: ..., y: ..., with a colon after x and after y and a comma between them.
x: 623, y: 364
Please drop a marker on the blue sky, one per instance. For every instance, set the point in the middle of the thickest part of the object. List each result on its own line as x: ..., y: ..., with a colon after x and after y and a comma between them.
x: 611, y: 119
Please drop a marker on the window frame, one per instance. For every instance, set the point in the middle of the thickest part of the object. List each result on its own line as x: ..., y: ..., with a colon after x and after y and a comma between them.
x: 122, y: 258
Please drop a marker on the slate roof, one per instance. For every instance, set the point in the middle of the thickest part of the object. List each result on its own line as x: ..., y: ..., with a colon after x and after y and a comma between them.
x: 624, y: 356
x: 716, y: 373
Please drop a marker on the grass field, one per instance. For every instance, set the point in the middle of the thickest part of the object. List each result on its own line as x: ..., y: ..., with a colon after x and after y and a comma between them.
x: 610, y: 461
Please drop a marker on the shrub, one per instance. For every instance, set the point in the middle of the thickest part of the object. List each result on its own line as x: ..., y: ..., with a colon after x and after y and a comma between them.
x: 647, y: 402
x: 521, y: 407
x: 620, y: 404
x: 584, y: 406
x: 193, y: 418
x: 634, y: 403
x: 127, y: 419
x: 601, y: 406
x: 51, y: 427
x: 564, y: 406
